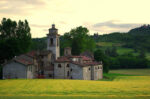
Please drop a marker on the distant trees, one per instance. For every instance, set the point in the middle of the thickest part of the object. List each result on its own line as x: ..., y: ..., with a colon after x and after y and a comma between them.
x: 15, y: 38
x: 111, y: 51
x: 100, y: 56
x: 79, y: 40
x: 128, y: 61
x: 137, y: 38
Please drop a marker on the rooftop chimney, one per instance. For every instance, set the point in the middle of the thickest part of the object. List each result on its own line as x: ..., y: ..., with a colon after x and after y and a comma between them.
x: 67, y: 51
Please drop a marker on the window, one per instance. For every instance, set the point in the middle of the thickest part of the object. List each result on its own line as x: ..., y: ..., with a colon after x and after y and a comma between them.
x: 89, y: 69
x: 71, y: 69
x: 98, y: 67
x: 51, y: 41
x: 67, y: 65
x: 50, y: 75
x: 59, y: 65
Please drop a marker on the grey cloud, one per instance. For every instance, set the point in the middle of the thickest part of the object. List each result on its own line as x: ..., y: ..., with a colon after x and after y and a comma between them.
x: 20, y: 6
x: 112, y: 24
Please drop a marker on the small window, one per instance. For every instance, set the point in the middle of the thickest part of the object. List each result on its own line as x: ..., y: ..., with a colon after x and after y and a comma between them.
x: 50, y: 75
x: 67, y: 65
x: 89, y: 69
x: 51, y: 41
x: 98, y: 67
x: 59, y: 65
x: 71, y: 69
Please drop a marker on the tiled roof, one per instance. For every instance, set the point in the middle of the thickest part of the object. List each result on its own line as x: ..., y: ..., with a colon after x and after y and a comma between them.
x: 23, y: 59
x: 85, y: 58
x: 63, y: 59
x: 89, y: 62
x: 31, y: 54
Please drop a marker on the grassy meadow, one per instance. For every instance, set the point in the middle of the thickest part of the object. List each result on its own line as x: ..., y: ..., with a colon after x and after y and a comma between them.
x: 139, y: 72
x: 120, y: 50
x: 122, y: 86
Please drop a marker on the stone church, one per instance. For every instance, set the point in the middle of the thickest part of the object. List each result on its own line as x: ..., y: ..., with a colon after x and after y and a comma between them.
x: 49, y: 63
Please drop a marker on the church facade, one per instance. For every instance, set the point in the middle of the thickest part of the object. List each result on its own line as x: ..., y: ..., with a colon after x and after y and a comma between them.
x: 49, y: 63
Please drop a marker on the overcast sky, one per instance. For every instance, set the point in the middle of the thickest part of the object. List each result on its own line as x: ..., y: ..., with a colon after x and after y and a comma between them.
x: 102, y: 16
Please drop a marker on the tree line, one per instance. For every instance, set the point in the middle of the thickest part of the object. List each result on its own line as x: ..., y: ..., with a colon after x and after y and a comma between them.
x: 15, y: 39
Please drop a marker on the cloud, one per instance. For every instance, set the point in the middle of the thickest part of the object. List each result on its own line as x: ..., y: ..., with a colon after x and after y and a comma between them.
x: 18, y: 7
x: 113, y: 26
x: 39, y: 26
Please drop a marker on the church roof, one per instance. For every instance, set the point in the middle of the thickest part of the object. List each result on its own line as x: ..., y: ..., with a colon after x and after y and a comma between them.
x: 88, y: 61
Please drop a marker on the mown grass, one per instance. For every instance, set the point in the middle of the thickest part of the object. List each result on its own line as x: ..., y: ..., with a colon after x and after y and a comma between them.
x: 121, y: 50
x: 141, y: 72
x: 108, y: 44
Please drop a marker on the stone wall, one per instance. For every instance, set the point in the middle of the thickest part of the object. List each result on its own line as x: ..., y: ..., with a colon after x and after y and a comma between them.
x: 14, y: 70
x: 97, y: 72
x: 60, y: 70
x: 87, y: 73
x: 76, y: 72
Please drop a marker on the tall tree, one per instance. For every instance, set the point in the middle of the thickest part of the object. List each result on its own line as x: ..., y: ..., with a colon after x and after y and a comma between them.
x: 79, y: 40
x: 15, y: 38
x: 100, y: 56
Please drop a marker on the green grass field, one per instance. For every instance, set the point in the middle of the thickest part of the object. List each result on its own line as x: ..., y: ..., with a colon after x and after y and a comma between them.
x: 122, y: 86
x: 139, y: 72
x: 120, y: 50
x: 108, y: 44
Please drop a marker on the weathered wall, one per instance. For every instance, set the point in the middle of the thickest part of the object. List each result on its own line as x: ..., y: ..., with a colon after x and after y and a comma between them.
x: 71, y: 72
x: 97, y: 72
x: 60, y: 72
x: 87, y: 73
x: 30, y: 71
x: 77, y: 71
x: 14, y: 70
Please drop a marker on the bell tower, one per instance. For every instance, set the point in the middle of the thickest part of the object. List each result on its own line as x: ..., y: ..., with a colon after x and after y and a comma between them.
x: 53, y: 41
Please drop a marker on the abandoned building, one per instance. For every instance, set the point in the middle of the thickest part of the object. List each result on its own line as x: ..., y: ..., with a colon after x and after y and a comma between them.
x: 49, y: 63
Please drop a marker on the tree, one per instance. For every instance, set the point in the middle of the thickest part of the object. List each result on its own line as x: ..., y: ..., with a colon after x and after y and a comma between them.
x: 79, y: 40
x: 142, y: 54
x: 15, y: 38
x: 114, y: 51
x: 100, y: 56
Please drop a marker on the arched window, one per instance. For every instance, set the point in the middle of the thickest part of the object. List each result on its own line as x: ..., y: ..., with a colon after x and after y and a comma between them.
x: 59, y: 65
x: 51, y: 41
x: 89, y: 68
x: 67, y: 65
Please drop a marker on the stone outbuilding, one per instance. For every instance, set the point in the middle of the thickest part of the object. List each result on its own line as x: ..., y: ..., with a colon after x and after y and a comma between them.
x: 19, y: 67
